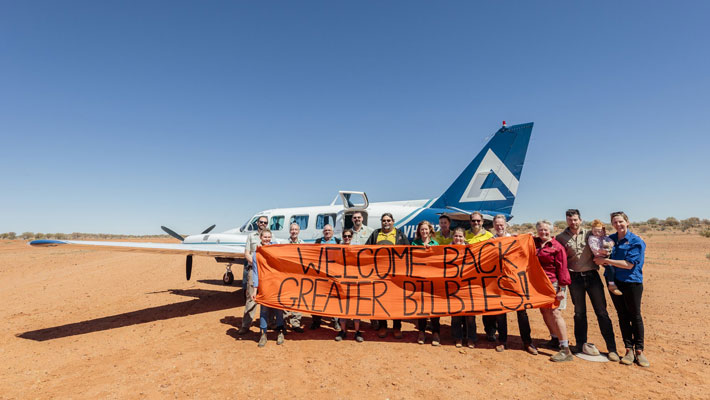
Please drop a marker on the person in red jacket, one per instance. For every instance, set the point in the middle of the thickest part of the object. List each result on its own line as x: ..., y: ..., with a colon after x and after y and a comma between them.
x: 553, y: 258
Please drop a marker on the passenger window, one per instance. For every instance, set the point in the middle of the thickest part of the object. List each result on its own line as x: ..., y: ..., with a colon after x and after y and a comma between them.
x: 301, y: 220
x: 277, y: 222
x: 325, y: 219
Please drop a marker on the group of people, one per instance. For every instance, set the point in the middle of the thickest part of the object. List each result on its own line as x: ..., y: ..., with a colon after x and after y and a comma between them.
x: 571, y: 261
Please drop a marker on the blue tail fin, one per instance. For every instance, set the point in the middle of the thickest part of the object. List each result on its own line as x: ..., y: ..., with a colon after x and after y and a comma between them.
x: 490, y: 182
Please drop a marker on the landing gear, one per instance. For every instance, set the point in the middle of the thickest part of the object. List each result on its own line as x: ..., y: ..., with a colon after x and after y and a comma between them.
x: 228, y: 276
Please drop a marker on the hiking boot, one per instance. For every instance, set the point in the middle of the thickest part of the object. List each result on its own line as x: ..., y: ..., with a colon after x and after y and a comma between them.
x: 358, y: 337
x: 628, y: 358
x: 262, y: 340
x: 341, y: 335
x: 613, y: 356
x: 590, y: 349
x: 641, y: 359
x: 398, y: 333
x: 280, y: 337
x: 435, y: 341
x: 421, y: 338
x: 243, y: 330
x: 563, y: 355
x: 530, y: 348
x: 471, y: 344
x: 500, y: 348
x: 382, y: 332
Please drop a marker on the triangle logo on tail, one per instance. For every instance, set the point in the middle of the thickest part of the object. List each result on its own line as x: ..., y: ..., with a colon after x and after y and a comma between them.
x: 490, y: 164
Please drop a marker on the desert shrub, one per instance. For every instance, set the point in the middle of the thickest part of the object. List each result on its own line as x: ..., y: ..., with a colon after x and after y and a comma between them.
x: 11, y: 235
x: 40, y: 235
x: 652, y: 221
x: 705, y: 233
x: 27, y: 235
x: 560, y: 225
x: 671, y: 222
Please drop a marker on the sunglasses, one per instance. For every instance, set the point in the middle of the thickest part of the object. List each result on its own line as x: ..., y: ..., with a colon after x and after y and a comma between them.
x: 476, y: 220
x: 347, y: 236
x: 262, y: 222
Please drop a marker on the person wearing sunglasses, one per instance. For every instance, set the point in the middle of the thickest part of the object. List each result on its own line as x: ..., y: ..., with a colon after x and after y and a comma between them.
x: 477, y: 232
x: 347, y: 240
x: 266, y: 312
x: 388, y: 235
x: 252, y: 242
x: 627, y: 258
x: 360, y: 232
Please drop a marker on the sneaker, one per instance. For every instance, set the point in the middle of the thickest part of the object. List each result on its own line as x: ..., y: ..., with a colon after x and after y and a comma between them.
x: 435, y: 341
x: 628, y: 358
x: 262, y: 340
x: 297, y: 329
x: 553, y: 344
x: 340, y: 336
x: 358, y: 337
x: 530, y: 348
x: 336, y: 325
x: 613, y: 356
x: 590, y: 349
x: 471, y: 344
x: 421, y: 338
x: 500, y: 348
x: 280, y: 338
x: 563, y: 355
x: 382, y: 332
x: 459, y: 343
x: 641, y: 360
x: 243, y: 330
x: 398, y: 334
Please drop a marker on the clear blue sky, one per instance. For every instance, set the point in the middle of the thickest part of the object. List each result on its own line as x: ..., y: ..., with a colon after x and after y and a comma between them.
x: 119, y: 117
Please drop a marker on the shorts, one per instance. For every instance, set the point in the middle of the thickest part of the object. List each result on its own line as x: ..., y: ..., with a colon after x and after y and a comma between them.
x: 563, y: 302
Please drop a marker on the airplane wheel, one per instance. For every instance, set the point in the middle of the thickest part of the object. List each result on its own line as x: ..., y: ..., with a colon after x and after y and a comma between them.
x: 228, y: 278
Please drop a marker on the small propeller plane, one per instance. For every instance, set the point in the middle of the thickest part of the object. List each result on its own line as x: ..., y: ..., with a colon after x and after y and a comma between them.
x: 489, y: 185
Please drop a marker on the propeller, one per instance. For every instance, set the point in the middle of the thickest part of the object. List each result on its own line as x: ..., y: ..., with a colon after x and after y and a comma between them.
x: 172, y: 233
x: 208, y: 230
x: 188, y: 267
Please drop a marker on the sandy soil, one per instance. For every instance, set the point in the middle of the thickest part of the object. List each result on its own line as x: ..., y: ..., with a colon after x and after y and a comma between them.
x: 97, y: 324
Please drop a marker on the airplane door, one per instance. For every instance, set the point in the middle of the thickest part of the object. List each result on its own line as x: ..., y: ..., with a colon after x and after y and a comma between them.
x: 354, y: 201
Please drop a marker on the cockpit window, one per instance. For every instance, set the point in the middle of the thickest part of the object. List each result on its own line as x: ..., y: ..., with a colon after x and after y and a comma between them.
x: 251, y: 225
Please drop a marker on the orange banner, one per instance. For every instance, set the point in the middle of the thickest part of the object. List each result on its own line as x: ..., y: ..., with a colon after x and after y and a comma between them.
x: 403, y: 282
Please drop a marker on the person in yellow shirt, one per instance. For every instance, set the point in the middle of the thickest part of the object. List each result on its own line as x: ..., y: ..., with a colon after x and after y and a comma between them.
x: 444, y: 235
x: 477, y: 233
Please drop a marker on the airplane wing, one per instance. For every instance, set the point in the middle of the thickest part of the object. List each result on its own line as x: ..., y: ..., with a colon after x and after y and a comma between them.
x: 209, y: 250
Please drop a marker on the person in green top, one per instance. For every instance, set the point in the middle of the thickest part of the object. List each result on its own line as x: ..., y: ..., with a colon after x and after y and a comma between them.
x: 423, y: 237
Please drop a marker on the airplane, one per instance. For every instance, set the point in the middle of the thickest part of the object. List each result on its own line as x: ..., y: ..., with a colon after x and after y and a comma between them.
x: 489, y: 185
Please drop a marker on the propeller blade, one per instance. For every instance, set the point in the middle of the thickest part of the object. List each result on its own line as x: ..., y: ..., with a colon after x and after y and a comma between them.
x: 208, y: 230
x: 172, y: 233
x: 188, y: 267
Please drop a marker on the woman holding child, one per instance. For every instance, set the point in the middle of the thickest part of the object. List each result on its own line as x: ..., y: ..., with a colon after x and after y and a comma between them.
x: 626, y: 263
